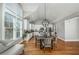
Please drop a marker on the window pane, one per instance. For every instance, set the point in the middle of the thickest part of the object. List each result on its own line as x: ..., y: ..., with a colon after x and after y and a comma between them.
x: 6, y: 20
x: 18, y: 34
x: 18, y: 28
x: 19, y: 11
x: 8, y: 26
x: 8, y: 34
x: 11, y: 21
x: 21, y: 28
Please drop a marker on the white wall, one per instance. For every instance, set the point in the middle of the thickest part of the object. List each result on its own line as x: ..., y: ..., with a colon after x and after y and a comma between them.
x: 72, y: 29
x: 60, y: 28
x: 37, y: 27
x: 25, y: 24
x: 68, y: 29
x: 1, y: 21
x: 32, y: 26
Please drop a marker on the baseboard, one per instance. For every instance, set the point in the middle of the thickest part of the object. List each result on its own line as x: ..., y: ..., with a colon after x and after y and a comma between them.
x: 70, y: 43
x: 71, y: 40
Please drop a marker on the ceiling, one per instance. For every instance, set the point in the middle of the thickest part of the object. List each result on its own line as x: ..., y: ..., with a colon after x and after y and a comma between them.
x: 35, y: 12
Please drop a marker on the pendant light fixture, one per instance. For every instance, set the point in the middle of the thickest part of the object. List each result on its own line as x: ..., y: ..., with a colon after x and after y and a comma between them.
x: 45, y: 22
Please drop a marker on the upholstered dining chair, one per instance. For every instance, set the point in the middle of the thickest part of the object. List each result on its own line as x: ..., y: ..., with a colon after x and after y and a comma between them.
x: 55, y: 41
x: 47, y: 43
x: 37, y: 41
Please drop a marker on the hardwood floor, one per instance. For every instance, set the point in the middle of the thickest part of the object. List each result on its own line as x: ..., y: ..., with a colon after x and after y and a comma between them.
x: 63, y: 48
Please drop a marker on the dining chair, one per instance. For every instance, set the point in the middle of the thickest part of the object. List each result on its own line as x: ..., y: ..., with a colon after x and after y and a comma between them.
x: 37, y: 41
x: 47, y: 43
x: 55, y: 42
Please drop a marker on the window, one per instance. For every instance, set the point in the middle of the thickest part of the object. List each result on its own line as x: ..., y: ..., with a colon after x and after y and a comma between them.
x: 19, y: 11
x: 8, y: 26
x: 17, y: 28
x: 13, y: 22
x: 21, y: 24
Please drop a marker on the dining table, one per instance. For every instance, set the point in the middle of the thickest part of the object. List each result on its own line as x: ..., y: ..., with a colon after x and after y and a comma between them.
x: 41, y: 39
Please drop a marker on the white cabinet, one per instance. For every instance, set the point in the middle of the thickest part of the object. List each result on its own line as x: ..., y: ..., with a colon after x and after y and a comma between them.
x: 11, y: 22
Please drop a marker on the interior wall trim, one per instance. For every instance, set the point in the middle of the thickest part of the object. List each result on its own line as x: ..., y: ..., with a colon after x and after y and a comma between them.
x: 70, y: 43
x: 67, y: 39
x: 71, y: 40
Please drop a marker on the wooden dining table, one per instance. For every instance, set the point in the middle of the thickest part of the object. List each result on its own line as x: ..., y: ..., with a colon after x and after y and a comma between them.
x: 41, y: 39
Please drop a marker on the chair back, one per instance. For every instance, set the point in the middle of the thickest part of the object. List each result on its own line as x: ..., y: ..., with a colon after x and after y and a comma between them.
x: 47, y: 42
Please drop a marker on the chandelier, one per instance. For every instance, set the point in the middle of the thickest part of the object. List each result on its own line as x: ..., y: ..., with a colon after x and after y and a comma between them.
x: 45, y: 22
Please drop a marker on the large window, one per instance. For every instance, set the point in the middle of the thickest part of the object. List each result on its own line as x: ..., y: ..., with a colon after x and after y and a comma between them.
x: 8, y: 26
x: 12, y: 22
x: 13, y: 25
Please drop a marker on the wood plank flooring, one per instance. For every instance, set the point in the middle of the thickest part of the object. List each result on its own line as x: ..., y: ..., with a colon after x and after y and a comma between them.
x: 61, y: 49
